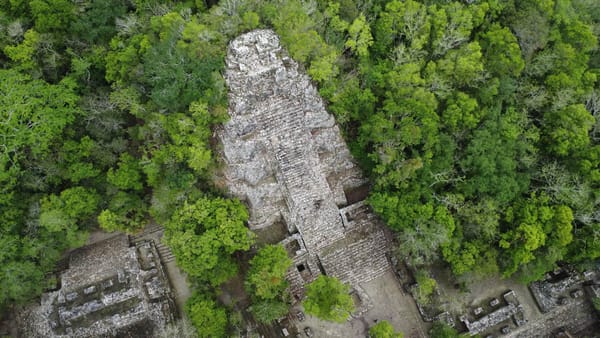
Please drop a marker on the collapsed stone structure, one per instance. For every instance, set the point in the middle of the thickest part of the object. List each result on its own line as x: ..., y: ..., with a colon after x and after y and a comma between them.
x: 501, y: 316
x: 286, y: 158
x: 110, y: 289
x: 556, y: 289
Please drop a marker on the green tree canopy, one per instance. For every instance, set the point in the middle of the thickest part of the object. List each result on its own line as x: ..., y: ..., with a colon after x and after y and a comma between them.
x: 266, y: 277
x: 328, y: 299
x: 443, y: 330
x: 266, y: 311
x: 204, y: 234
x: 209, y: 319
x: 383, y: 329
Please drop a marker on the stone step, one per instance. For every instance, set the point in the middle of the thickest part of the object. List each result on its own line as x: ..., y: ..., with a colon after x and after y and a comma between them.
x: 165, y: 253
x: 151, y: 228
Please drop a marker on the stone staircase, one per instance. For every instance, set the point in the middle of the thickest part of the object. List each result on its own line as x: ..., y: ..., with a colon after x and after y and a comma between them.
x: 154, y: 232
x: 313, y: 210
x: 165, y: 253
x: 150, y: 229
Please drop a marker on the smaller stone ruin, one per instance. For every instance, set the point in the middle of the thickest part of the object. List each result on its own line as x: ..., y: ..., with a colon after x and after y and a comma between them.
x: 110, y: 289
x: 558, y: 288
x: 495, y: 316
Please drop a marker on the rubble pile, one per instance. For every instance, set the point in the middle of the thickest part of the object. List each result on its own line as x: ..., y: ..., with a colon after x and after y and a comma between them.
x: 556, y: 289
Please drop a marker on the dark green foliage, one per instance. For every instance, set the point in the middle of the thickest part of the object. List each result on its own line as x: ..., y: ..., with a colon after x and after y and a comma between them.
x: 442, y: 330
x: 96, y: 22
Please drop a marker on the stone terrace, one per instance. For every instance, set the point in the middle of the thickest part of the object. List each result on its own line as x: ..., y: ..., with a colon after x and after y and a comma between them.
x: 110, y: 289
x: 286, y: 158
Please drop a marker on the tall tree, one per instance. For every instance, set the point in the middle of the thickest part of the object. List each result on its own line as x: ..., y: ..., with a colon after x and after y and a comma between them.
x: 204, y: 235
x: 328, y: 299
x: 266, y: 277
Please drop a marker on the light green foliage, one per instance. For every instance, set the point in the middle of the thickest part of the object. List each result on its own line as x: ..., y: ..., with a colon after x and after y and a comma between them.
x: 66, y: 214
x: 75, y: 160
x: 383, y: 329
x: 204, y: 234
x: 209, y: 319
x: 251, y: 20
x: 328, y: 299
x: 462, y: 258
x: 538, y: 236
x: 266, y: 311
x: 23, y: 54
x: 324, y: 68
x: 462, y: 66
x: 34, y: 112
x: 406, y: 19
x: 127, y: 175
x: 462, y: 113
x: 452, y: 25
x: 360, y: 37
x: 425, y: 287
x: 109, y: 221
x: 266, y: 277
x: 298, y: 32
x: 189, y: 136
x: 567, y: 129
x: 123, y: 60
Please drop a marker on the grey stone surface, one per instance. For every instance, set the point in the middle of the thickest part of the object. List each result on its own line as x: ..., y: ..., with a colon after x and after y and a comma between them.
x: 498, y: 317
x: 555, y: 289
x: 108, y: 289
x: 285, y: 157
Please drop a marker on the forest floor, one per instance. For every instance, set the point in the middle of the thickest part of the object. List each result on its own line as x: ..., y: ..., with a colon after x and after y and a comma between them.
x: 479, y: 292
x: 395, y: 305
x: 575, y: 316
x: 181, y: 289
x: 390, y: 302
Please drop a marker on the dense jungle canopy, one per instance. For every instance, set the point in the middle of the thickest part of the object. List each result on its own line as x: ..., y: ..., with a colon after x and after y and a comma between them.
x: 477, y: 121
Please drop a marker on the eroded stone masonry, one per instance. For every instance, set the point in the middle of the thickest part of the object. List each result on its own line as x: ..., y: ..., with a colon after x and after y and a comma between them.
x: 109, y: 289
x: 286, y: 158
